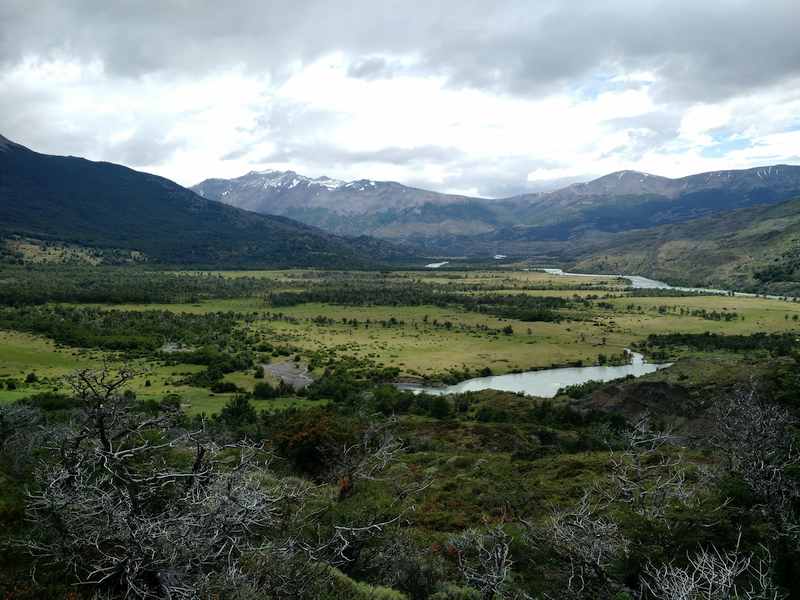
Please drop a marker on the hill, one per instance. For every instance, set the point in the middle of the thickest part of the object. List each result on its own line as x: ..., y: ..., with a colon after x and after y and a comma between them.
x: 104, y: 205
x: 756, y: 249
x: 452, y: 224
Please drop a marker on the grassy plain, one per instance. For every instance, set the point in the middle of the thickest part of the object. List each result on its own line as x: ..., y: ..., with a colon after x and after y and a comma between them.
x: 419, y: 341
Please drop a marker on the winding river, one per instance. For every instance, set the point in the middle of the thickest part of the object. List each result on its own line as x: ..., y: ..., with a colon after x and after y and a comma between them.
x: 546, y: 382
x: 643, y: 283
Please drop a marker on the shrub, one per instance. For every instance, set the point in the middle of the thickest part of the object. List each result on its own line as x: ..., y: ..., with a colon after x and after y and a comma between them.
x: 264, y: 391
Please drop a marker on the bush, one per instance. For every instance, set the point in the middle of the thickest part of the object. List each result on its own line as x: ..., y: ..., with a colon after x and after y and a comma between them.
x: 224, y: 387
x: 309, y: 439
x: 52, y: 401
x: 238, y: 412
x: 264, y: 391
x: 440, y: 408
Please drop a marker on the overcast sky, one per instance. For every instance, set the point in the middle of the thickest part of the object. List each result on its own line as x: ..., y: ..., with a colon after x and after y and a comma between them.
x: 484, y: 97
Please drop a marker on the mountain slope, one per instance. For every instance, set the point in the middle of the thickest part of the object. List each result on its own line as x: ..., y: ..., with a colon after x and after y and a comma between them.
x: 756, y: 249
x: 348, y: 208
x: 619, y: 201
x: 110, y: 206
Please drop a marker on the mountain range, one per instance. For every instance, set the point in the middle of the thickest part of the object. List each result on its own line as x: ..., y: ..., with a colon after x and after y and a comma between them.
x: 734, y: 229
x: 453, y: 224
x: 107, y: 206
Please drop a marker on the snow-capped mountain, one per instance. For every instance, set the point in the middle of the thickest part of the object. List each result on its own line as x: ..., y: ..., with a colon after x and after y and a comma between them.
x: 615, y: 202
x: 352, y: 207
x: 282, y: 192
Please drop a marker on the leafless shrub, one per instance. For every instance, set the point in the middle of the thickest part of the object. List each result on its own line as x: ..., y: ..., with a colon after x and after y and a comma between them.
x: 376, y: 449
x: 280, y: 572
x: 648, y: 474
x: 712, y: 575
x: 588, y: 542
x: 484, y: 560
x: 21, y: 433
x: 756, y: 439
x: 131, y: 505
x: 400, y: 564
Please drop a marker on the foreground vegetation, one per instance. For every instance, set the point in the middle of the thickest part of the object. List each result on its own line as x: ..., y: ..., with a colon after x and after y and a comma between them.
x: 159, y: 438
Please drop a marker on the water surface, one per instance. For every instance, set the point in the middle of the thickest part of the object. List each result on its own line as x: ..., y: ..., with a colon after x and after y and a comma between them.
x: 547, y: 382
x: 645, y: 283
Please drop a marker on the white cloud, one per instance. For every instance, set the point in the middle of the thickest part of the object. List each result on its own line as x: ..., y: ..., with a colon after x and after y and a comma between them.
x: 324, y: 119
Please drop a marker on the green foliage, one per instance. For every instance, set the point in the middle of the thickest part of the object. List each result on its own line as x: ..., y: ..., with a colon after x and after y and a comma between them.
x: 238, y: 413
x: 264, y: 391
x: 133, y: 331
x: 113, y: 285
x: 778, y: 344
x: 361, y: 293
x: 451, y: 591
x: 310, y: 439
x: 345, y: 588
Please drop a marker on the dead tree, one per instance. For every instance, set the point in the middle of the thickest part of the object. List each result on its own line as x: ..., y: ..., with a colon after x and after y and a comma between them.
x: 376, y: 449
x: 712, y: 575
x: 648, y: 474
x: 484, y: 560
x: 136, y: 507
x: 588, y: 542
x: 755, y: 437
x: 130, y: 505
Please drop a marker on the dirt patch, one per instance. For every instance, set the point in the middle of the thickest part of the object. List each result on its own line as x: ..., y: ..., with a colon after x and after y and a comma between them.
x: 291, y: 373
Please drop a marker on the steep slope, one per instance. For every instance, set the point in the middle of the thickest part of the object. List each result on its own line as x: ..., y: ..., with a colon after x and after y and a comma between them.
x: 755, y: 249
x: 110, y: 206
x: 619, y: 201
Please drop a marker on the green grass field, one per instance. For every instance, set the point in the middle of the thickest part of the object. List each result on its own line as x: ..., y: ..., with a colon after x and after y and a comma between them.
x: 415, y: 345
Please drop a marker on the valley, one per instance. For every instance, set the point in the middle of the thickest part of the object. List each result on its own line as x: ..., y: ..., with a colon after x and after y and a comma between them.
x: 224, y: 348
x: 399, y: 301
x: 441, y: 385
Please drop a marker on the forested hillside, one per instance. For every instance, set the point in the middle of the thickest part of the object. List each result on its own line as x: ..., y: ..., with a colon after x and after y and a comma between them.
x: 104, y: 205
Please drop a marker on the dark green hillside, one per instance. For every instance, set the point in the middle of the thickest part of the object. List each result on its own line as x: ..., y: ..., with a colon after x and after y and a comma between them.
x: 110, y: 206
x: 754, y: 249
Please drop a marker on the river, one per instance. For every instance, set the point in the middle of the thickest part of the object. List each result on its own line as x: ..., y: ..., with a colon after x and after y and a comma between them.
x: 643, y: 283
x: 546, y: 382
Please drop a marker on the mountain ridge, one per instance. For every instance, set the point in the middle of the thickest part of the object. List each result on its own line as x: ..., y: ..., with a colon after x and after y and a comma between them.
x: 103, y: 204
x: 392, y: 211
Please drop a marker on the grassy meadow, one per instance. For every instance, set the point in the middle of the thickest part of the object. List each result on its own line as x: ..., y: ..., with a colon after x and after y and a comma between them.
x: 420, y: 341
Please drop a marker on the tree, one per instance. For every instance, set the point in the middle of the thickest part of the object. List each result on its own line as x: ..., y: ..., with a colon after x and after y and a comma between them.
x: 586, y: 541
x: 756, y: 439
x: 133, y: 506
x: 712, y: 575
x: 648, y: 474
x: 484, y: 560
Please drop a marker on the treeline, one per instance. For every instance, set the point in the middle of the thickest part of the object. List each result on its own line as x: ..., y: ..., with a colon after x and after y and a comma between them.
x: 777, y: 344
x: 118, y: 330
x: 109, y: 285
x: 513, y: 306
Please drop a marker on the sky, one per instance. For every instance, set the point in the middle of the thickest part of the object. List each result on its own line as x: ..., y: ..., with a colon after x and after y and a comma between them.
x: 481, y: 97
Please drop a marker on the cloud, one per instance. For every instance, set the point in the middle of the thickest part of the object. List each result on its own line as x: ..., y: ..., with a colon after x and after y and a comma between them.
x: 699, y: 50
x: 452, y: 95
